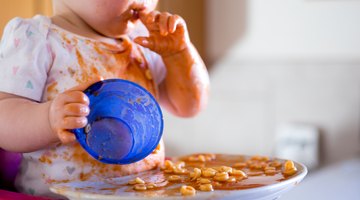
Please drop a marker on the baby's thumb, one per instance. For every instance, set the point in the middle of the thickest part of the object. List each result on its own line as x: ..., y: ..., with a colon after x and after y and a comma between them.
x: 145, y: 42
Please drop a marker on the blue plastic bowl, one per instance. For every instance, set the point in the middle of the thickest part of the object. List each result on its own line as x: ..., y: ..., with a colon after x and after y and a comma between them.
x: 125, y: 123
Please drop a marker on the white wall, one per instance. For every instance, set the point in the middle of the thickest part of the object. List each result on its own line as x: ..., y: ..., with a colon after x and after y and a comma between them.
x: 295, y: 61
x: 225, y: 24
x: 248, y: 104
x: 301, y: 29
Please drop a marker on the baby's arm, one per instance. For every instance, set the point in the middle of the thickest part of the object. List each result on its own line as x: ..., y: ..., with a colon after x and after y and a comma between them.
x: 29, y: 126
x: 24, y: 124
x: 185, y: 88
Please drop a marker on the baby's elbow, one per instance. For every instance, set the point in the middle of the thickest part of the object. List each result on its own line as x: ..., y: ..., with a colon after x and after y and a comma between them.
x: 187, y: 113
x: 191, y: 109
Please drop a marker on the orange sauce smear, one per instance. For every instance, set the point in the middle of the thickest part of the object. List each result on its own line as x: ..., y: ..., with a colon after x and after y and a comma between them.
x: 256, y: 176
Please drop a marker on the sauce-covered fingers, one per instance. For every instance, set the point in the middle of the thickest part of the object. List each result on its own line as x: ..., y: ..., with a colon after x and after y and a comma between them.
x: 145, y: 42
x: 152, y: 17
x: 74, y: 122
x: 164, y: 23
x: 150, y: 20
x: 65, y: 136
x: 75, y: 97
x: 174, y: 22
x: 76, y: 110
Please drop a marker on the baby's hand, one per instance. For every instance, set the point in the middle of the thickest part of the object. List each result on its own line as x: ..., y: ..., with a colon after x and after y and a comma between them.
x: 168, y: 34
x: 68, y: 111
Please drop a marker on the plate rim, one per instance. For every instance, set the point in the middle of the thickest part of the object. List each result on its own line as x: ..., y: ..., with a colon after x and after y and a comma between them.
x: 292, y: 181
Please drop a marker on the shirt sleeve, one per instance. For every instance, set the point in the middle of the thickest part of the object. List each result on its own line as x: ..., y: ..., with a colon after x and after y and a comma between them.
x: 25, y: 58
x: 156, y: 65
x: 154, y: 60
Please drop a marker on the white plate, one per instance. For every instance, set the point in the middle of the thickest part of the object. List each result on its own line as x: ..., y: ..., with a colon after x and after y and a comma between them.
x: 106, y: 190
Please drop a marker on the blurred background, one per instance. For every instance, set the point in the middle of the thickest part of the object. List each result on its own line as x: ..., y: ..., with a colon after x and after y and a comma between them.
x: 285, y: 79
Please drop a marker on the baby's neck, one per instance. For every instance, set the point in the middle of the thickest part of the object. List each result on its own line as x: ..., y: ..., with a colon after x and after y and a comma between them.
x: 70, y: 21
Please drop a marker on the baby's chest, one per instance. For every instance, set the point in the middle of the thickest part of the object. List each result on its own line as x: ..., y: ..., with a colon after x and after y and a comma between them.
x: 75, y: 65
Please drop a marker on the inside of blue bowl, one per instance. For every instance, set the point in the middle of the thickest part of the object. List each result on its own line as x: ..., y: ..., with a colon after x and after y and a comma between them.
x: 110, y: 138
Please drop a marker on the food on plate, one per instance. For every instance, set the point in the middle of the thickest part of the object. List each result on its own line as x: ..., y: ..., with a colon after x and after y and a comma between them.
x: 208, y: 172
x: 199, y: 175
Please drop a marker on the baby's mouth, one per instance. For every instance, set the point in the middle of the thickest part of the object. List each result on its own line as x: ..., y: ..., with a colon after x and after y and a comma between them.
x: 136, y: 10
x: 135, y: 14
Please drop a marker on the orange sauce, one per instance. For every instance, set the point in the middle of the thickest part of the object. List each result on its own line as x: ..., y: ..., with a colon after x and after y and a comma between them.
x: 163, y: 187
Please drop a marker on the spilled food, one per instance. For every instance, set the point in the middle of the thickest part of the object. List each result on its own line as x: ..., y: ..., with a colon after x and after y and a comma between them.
x: 209, y: 172
x: 193, y: 175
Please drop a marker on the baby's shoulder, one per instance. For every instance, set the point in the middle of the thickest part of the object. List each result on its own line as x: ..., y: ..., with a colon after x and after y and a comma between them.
x: 37, y: 26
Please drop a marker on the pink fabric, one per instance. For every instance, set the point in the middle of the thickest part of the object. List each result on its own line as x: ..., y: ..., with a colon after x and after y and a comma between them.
x: 6, y: 195
x: 9, y: 166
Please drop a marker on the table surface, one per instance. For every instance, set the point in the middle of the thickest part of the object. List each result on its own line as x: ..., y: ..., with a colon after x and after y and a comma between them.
x: 7, y: 195
x: 338, y: 181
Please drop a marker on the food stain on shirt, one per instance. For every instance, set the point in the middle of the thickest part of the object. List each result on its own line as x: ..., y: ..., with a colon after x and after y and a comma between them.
x: 71, y: 71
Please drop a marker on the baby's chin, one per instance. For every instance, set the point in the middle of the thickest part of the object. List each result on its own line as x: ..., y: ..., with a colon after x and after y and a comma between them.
x: 117, y: 33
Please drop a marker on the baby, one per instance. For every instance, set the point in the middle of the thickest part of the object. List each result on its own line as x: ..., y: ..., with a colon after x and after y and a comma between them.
x: 46, y: 63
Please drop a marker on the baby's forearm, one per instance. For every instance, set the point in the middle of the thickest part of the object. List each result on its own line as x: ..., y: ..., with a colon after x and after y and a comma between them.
x: 186, y: 85
x: 24, y: 125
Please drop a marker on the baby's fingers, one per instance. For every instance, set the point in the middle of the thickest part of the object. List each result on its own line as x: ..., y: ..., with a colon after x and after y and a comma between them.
x: 66, y: 137
x: 76, y: 110
x: 145, y: 42
x: 68, y: 123
x: 74, y: 122
x: 174, y: 22
x: 164, y: 23
x: 75, y: 97
x: 150, y: 20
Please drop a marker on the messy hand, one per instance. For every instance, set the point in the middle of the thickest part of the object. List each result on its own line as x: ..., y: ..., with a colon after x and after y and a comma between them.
x: 68, y: 111
x: 168, y: 34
